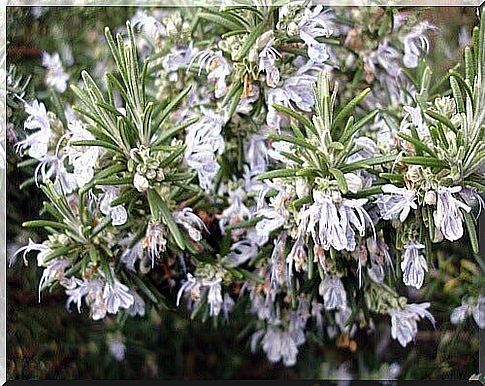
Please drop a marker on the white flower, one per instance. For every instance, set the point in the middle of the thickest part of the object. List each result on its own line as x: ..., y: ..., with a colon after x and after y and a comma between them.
x: 353, y: 215
x: 151, y: 26
x: 53, y: 271
x: 214, y: 296
x: 138, y: 306
x: 117, y: 348
x: 241, y: 252
x: 448, y: 217
x: 217, y: 67
x: 271, y: 220
x: 267, y: 59
x: 413, y: 265
x: 404, y: 322
x: 315, y: 23
x: 155, y: 240
x: 42, y: 251
x: 177, y: 58
x: 92, y: 291
x: 140, y: 183
x: 204, y: 142
x: 324, y: 223
x: 191, y: 222
x: 414, y: 117
x: 277, y: 344
x: 398, y: 202
x: 477, y: 310
x: 415, y: 43
x: 56, y: 77
x: 117, y: 295
x: 37, y: 142
x: 82, y: 159
x: 118, y: 213
x: 236, y: 212
x: 333, y: 292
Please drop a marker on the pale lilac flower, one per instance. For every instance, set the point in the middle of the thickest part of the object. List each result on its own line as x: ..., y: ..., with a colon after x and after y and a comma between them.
x: 227, y: 306
x: 413, y: 265
x: 148, y: 24
x: 397, y: 202
x: 404, y: 322
x: 316, y: 23
x: 324, y: 223
x: 214, y: 296
x: 136, y: 253
x: 256, y: 152
x: 353, y: 215
x: 138, y: 306
x: 189, y: 284
x: 267, y: 58
x: 460, y: 313
x: 83, y: 159
x: 333, y: 292
x: 476, y: 309
x: 386, y: 56
x: 478, y: 312
x: 217, y: 67
x: 177, y: 58
x: 277, y: 344
x: 117, y: 295
x: 37, y: 142
x: 204, y: 142
x: 54, y: 270
x: 241, y: 252
x: 278, y: 273
x: 117, y: 348
x: 415, y: 43
x: 448, y: 217
x: 191, y: 222
x: 56, y: 76
x: 296, y: 89
x: 92, y: 291
x: 271, y: 220
x: 118, y: 213
x: 414, y: 117
x: 235, y: 213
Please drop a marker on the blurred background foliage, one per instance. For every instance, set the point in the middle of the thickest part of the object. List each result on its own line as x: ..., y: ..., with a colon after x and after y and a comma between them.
x: 44, y: 341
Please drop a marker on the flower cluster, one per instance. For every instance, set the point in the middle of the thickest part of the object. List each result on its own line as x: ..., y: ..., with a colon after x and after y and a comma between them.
x: 237, y: 164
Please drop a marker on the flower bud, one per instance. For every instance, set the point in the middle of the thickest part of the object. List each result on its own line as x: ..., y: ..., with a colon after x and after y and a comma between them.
x: 141, y: 183
x: 302, y: 189
x: 430, y: 197
x: 354, y: 182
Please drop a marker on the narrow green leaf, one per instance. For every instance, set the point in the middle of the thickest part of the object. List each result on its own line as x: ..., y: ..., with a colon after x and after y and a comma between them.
x: 419, y: 145
x: 250, y: 40
x: 277, y: 174
x: 166, y: 217
x: 44, y: 223
x: 472, y: 233
x: 340, y: 178
x: 305, y: 121
x: 424, y: 161
x: 349, y: 107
